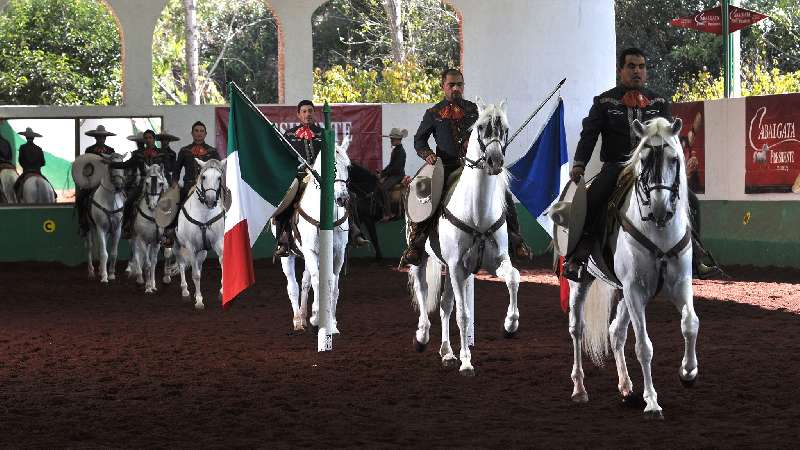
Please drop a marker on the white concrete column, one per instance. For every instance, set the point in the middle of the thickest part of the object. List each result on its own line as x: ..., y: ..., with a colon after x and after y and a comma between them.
x: 137, y: 21
x: 294, y: 17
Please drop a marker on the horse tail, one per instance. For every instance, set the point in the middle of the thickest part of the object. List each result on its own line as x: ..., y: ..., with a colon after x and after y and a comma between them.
x: 433, y: 276
x: 597, y: 313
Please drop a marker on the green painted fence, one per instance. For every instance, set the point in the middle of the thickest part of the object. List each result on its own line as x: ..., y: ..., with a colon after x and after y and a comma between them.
x: 756, y: 233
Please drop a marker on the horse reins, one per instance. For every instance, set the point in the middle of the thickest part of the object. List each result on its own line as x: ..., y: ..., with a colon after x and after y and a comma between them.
x: 108, y: 212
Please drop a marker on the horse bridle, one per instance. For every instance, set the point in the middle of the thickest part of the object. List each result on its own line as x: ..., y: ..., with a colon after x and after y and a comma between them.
x: 201, y: 189
x: 652, y: 169
x: 480, y: 163
x: 153, y: 193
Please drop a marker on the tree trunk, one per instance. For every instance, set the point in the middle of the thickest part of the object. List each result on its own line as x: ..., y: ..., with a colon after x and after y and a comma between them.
x: 395, y: 13
x: 192, y: 52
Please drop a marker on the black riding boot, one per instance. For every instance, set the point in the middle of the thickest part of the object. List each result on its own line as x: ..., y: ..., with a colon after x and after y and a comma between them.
x: 416, y: 243
x: 575, y: 263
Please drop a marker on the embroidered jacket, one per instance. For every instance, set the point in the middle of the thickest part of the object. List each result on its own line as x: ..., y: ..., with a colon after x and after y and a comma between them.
x: 186, y: 157
x: 99, y: 149
x: 307, y: 144
x: 610, y: 118
x: 450, y: 126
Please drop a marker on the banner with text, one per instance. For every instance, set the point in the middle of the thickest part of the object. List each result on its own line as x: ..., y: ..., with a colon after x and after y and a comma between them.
x: 771, y: 142
x: 693, y: 141
x: 362, y: 123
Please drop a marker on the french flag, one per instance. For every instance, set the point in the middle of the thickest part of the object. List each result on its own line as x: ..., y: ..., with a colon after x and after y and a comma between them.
x: 540, y: 175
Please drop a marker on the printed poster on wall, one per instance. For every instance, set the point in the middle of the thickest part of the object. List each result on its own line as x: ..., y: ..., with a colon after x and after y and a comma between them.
x: 771, y: 143
x: 362, y: 123
x: 693, y: 138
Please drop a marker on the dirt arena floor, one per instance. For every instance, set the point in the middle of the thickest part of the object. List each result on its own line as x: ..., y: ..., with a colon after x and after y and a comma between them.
x: 85, y: 365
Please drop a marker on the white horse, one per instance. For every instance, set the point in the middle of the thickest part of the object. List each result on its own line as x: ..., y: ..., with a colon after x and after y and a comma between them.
x: 146, y: 233
x: 8, y: 177
x: 308, y: 244
x: 201, y: 226
x: 472, y: 235
x: 653, y: 251
x: 106, y: 215
x: 36, y: 189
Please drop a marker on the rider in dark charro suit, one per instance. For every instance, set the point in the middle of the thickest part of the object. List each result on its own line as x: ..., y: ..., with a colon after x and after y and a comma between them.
x: 611, y: 116
x: 31, y: 158
x: 307, y: 140
x: 83, y: 197
x: 449, y: 121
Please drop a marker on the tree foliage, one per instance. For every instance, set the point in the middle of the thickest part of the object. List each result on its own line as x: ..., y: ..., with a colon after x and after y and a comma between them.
x: 755, y: 81
x: 679, y: 59
x: 402, y: 82
x: 238, y: 42
x: 59, y: 52
x: 353, y: 56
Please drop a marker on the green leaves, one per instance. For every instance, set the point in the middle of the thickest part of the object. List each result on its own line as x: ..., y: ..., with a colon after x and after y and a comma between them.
x: 59, y: 52
x: 398, y: 83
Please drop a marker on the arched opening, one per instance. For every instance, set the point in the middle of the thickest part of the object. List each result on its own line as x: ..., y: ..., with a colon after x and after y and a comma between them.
x: 59, y: 52
x: 392, y: 52
x: 237, y: 41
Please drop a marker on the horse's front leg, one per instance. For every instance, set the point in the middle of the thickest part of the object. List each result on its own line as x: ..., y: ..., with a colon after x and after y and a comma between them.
x: 577, y: 296
x: 103, y: 256
x: 458, y: 279
x: 112, y: 264
x: 139, y: 257
x: 197, y: 268
x: 445, y: 310
x: 636, y: 301
x: 218, y: 248
x: 287, y: 264
x: 89, y: 251
x: 305, y: 288
x: 312, y: 266
x: 419, y: 283
x: 183, y: 257
x: 683, y: 299
x: 338, y: 262
x: 508, y: 273
x: 153, y: 250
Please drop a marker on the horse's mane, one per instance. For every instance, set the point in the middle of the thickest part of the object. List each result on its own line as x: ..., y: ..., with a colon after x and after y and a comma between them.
x: 663, y: 128
x: 489, y: 111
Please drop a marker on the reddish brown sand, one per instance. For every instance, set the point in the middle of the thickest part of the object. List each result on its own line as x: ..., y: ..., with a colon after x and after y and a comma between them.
x: 85, y: 365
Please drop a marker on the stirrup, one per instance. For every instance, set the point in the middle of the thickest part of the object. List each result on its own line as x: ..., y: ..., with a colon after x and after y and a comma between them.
x: 576, y: 271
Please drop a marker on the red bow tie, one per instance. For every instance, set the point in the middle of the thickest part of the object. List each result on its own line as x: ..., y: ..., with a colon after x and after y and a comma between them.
x: 452, y: 111
x: 150, y: 153
x: 635, y: 99
x: 304, y: 133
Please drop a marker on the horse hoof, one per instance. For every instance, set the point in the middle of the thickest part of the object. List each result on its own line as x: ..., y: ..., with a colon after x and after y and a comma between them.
x: 450, y: 363
x: 633, y: 400
x: 419, y: 346
x: 654, y: 415
x: 166, y: 279
x: 687, y: 383
x: 112, y: 277
x: 104, y: 281
x: 687, y: 378
x: 509, y: 334
x: 467, y: 371
x: 581, y: 397
x: 199, y: 306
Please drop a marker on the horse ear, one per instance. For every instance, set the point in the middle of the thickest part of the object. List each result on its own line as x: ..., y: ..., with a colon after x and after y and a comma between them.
x: 638, y: 128
x: 676, y: 126
x: 481, y: 105
x: 200, y: 162
x: 504, y: 106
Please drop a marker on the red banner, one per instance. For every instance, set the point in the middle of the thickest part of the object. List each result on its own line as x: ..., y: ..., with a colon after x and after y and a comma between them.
x: 362, y: 123
x: 772, y: 145
x: 710, y: 20
x: 693, y: 141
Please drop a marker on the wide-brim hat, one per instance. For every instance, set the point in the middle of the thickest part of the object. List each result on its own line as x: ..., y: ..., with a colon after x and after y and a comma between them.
x: 168, y: 207
x: 167, y: 136
x: 99, y: 131
x: 569, y: 216
x: 29, y: 133
x: 288, y: 198
x: 138, y: 137
x: 425, y: 191
x: 397, y: 133
x: 88, y: 170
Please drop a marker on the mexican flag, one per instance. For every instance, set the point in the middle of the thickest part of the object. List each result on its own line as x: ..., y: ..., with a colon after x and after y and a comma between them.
x: 259, y: 171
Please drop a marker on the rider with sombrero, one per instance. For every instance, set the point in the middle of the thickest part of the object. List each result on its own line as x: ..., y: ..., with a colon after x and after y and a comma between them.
x: 170, y: 156
x: 307, y: 139
x: 83, y: 197
x: 450, y: 122
x: 394, y: 172
x: 198, y: 149
x: 139, y: 158
x: 31, y: 158
x: 611, y: 116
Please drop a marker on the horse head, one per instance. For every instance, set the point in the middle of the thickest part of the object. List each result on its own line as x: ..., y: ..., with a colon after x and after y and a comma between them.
x: 155, y: 183
x: 115, y: 178
x: 210, y: 181
x: 491, y: 130
x: 656, y: 163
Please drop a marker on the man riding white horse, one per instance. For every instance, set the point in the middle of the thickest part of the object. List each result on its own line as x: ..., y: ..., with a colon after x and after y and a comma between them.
x: 83, y: 197
x: 31, y: 158
x: 449, y: 121
x: 611, y: 116
x: 306, y: 139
